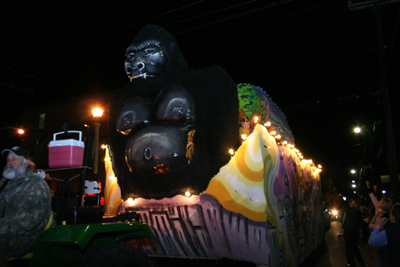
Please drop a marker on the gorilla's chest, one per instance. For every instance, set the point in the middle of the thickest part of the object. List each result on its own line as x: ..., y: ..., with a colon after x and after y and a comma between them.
x: 159, y: 130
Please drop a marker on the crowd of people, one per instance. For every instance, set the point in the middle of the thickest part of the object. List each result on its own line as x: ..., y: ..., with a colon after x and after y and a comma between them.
x: 376, y: 219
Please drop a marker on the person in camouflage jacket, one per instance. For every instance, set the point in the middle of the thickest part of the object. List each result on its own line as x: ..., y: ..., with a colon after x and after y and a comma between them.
x: 25, y: 205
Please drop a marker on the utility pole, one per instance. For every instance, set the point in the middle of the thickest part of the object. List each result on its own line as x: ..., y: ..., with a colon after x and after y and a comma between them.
x: 376, y: 6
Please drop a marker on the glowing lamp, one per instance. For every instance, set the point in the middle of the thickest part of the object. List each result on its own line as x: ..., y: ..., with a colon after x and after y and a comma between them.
x: 97, y: 112
x: 383, y: 191
x: 255, y: 119
x: 354, y: 185
x: 353, y: 181
x: 187, y: 194
x: 334, y: 212
x: 267, y: 124
x: 231, y: 151
x: 103, y: 146
x: 20, y: 131
x: 353, y: 171
x: 244, y: 137
x: 357, y: 130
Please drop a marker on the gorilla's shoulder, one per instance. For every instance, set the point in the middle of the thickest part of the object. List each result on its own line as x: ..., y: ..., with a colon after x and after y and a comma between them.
x: 217, y: 71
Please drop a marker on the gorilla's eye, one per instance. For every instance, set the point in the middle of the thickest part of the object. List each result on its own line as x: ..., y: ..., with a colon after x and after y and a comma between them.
x: 149, y: 50
x: 131, y: 56
x: 127, y: 120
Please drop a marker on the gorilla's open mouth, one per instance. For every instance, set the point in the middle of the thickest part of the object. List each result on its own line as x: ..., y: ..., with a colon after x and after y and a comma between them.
x: 140, y: 75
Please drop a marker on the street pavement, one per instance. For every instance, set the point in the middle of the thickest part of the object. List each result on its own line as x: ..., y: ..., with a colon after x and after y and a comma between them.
x: 331, y: 255
x: 335, y: 255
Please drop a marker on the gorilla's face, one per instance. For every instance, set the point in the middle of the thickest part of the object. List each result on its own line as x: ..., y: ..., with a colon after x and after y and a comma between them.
x: 147, y: 59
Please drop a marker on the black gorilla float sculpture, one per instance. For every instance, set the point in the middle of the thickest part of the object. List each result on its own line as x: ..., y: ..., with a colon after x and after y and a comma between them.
x: 171, y: 127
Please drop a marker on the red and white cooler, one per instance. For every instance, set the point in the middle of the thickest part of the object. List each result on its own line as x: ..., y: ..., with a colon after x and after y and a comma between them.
x: 66, y: 152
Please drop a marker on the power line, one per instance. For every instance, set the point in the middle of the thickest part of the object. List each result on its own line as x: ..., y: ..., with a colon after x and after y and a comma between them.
x: 329, y: 101
x: 236, y: 16
x: 116, y: 30
x: 130, y: 25
x: 214, y: 22
x: 269, y: 21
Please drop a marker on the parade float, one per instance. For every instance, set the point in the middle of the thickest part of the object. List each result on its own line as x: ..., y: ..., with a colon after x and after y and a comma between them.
x: 197, y: 167
x: 210, y: 166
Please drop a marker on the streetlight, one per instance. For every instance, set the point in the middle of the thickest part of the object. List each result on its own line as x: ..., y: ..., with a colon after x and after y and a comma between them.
x: 97, y: 113
x: 20, y: 132
x: 367, y: 138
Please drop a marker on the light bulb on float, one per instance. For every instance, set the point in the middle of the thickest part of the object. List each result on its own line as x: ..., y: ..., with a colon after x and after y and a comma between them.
x: 255, y: 120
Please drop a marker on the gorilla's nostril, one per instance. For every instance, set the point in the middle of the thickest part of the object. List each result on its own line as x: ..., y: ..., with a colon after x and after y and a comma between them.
x: 140, y: 66
x: 147, y: 153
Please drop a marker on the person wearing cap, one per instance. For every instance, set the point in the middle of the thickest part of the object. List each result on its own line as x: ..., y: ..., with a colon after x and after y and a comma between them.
x: 25, y: 205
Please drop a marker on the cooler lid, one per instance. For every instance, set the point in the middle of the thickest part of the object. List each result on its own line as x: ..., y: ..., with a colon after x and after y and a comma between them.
x: 67, y: 142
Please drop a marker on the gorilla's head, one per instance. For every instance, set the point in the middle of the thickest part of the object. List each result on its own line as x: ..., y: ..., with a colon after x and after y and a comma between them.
x: 151, y: 52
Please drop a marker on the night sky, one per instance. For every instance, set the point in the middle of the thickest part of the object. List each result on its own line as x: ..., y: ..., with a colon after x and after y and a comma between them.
x: 317, y: 60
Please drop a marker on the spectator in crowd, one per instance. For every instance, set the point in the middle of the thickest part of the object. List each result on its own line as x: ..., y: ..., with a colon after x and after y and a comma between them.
x: 25, y: 205
x: 351, y: 232
x: 382, y: 210
x: 389, y: 237
x: 374, y: 194
x: 366, y: 220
